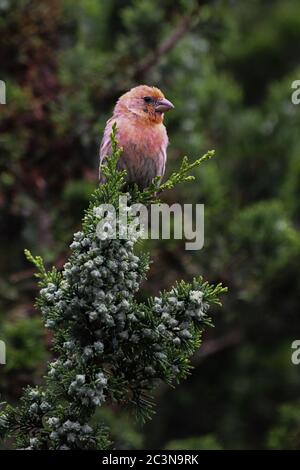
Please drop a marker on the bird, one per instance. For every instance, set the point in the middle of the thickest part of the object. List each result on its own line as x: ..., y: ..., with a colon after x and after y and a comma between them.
x: 139, y: 116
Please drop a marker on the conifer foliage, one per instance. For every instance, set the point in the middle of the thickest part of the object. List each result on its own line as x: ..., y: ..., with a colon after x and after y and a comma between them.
x: 109, y: 347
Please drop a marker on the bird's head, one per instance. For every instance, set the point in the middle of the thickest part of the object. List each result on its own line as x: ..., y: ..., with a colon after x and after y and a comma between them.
x: 146, y: 102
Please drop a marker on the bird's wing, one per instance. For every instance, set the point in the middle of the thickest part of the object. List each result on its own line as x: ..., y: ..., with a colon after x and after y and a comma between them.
x: 105, y: 146
x: 162, y: 161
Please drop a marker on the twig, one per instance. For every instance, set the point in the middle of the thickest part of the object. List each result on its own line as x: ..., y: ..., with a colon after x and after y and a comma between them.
x: 168, y: 44
x: 213, y: 346
x: 208, y: 348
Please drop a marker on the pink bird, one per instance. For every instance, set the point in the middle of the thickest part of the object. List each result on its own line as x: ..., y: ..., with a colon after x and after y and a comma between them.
x: 139, y: 116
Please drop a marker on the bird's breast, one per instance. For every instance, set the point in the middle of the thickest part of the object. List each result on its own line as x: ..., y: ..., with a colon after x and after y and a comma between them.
x: 144, y: 151
x: 145, y: 140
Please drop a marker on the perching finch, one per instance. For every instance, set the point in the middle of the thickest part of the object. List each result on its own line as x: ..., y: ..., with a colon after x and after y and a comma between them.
x: 139, y: 116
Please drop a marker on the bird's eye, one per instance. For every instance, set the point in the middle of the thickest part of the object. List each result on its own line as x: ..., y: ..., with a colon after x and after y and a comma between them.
x: 148, y: 99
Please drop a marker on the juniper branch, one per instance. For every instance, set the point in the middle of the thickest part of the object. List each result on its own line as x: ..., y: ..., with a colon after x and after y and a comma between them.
x: 109, y: 347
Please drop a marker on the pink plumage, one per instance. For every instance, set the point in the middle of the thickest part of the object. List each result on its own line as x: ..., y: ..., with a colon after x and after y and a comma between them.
x: 139, y: 115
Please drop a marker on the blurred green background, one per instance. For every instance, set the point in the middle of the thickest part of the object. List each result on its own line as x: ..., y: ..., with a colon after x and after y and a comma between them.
x: 228, y: 68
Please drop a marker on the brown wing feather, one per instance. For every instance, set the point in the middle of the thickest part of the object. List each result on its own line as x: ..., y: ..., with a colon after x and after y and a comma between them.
x: 105, y: 146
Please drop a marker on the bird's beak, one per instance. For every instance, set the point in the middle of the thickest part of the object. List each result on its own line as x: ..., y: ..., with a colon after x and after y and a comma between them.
x: 163, y: 105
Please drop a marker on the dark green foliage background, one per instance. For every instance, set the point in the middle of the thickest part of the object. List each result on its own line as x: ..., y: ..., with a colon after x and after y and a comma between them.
x: 229, y: 75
